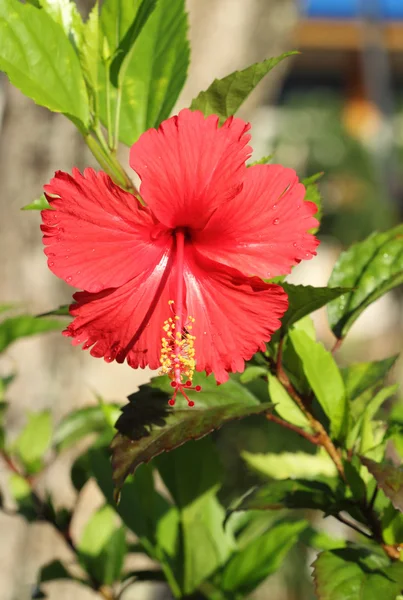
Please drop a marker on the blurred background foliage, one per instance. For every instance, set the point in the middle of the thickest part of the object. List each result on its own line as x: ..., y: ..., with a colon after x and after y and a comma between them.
x: 336, y: 108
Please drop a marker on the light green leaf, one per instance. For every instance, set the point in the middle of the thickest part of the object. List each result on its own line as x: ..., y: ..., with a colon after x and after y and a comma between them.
x: 81, y: 423
x: 88, y: 51
x: 369, y: 411
x: 155, y: 71
x: 312, y: 194
x: 262, y: 161
x: 40, y: 203
x: 34, y: 440
x: 40, y: 60
x: 65, y: 13
x: 305, y: 299
x: 354, y: 572
x: 284, y: 405
x: 24, y: 326
x: 261, y: 557
x: 225, y: 96
x: 371, y: 268
x: 102, y: 546
x: 324, y: 378
x: 291, y: 465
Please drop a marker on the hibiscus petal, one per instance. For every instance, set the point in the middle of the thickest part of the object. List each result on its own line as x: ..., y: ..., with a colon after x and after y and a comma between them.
x: 189, y: 166
x: 126, y: 323
x: 263, y: 230
x: 98, y: 236
x: 234, y: 315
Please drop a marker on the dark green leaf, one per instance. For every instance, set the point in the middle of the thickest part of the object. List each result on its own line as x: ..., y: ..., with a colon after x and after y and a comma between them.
x: 392, y: 525
x: 22, y: 494
x: 324, y: 378
x: 225, y: 96
x: 253, y: 372
x: 62, y: 311
x: 54, y: 570
x: 389, y: 479
x: 305, y: 299
x: 80, y: 423
x: 263, y: 556
x: 360, y: 377
x: 40, y: 203
x: 372, y: 268
x: 353, y: 573
x: 40, y: 60
x: 23, y: 326
x: 287, y: 493
x: 148, y: 426
x: 155, y: 72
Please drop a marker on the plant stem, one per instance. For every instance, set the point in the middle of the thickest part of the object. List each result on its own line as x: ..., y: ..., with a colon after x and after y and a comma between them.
x: 108, y: 161
x: 117, y: 118
x: 322, y: 438
x: 108, y: 105
x: 313, y: 438
x: 352, y: 525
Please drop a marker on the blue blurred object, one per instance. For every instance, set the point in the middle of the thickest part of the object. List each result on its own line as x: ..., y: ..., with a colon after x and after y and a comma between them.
x: 349, y: 9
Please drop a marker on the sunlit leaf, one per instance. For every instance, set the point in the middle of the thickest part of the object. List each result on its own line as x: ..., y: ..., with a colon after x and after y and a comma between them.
x: 287, y: 465
x: 305, y: 299
x: 324, y: 378
x: 34, y: 440
x: 371, y: 268
x: 39, y: 59
x: 40, y: 203
x: 225, y: 96
x: 352, y: 573
x: 156, y: 69
x: 148, y: 426
x: 284, y: 405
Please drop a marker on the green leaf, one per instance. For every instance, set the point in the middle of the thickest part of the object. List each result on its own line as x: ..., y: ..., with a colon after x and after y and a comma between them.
x: 40, y: 60
x: 102, y: 546
x: 253, y: 372
x: 65, y: 13
x: 176, y: 428
x: 204, y: 542
x: 291, y: 464
x: 352, y: 573
x: 262, y: 161
x: 81, y: 423
x: 126, y: 44
x: 225, y: 96
x: 22, y: 494
x: 62, y: 311
x: 155, y: 71
x: 389, y: 479
x: 284, y: 405
x: 312, y: 194
x: 40, y: 203
x: 261, y: 557
x: 287, y: 493
x: 371, y: 268
x: 305, y: 299
x: 88, y: 51
x: 34, y: 440
x: 360, y: 377
x: 54, y: 570
x: 324, y: 378
x: 13, y: 328
x: 392, y: 526
x: 368, y: 411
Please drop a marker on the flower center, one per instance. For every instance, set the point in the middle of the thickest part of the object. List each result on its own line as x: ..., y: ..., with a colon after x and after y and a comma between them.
x: 177, y: 345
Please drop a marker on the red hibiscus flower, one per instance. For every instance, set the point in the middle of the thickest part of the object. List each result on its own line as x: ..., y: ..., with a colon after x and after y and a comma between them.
x: 177, y: 282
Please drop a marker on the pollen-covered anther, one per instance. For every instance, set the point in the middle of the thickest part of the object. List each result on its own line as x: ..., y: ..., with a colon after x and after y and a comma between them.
x: 178, y: 356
